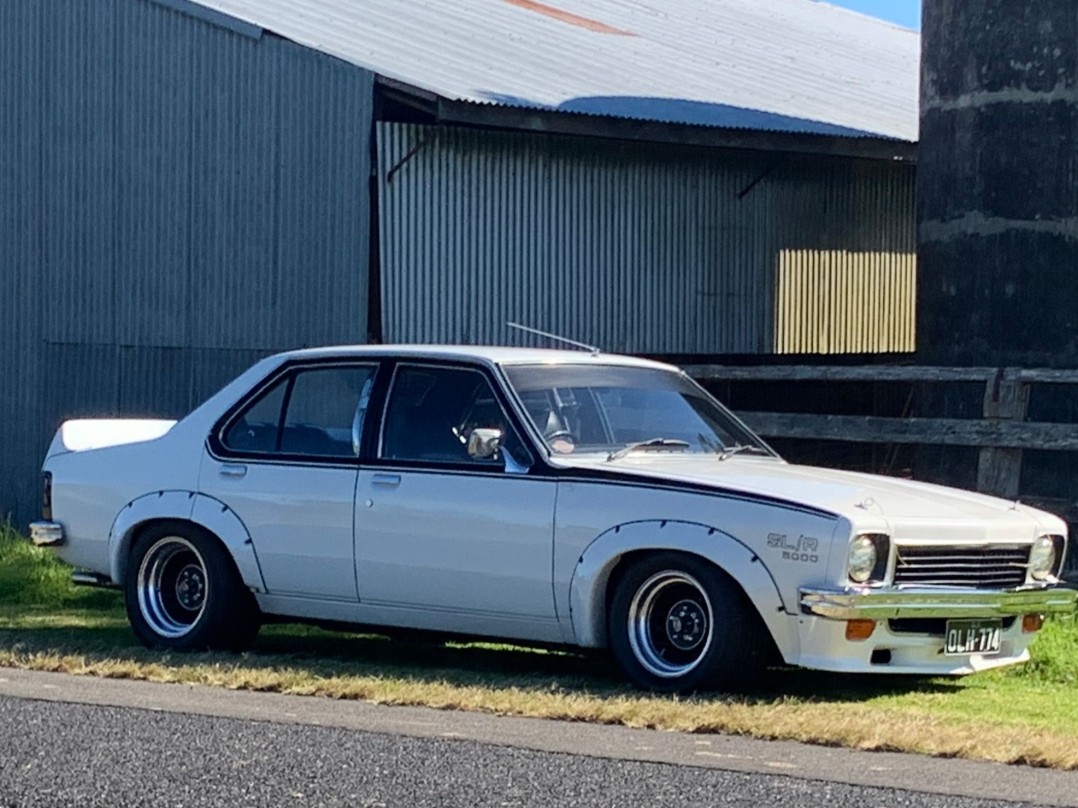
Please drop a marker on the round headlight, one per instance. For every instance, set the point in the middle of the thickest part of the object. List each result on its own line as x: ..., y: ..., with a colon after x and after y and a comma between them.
x: 1042, y: 558
x: 862, y: 559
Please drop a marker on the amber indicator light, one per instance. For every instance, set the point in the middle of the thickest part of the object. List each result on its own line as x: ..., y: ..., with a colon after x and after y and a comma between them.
x: 859, y: 630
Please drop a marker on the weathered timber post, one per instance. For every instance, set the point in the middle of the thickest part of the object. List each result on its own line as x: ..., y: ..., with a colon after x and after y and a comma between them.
x: 997, y: 184
x: 999, y: 470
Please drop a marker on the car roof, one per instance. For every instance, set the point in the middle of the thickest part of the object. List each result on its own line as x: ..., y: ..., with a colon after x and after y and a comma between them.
x: 496, y: 355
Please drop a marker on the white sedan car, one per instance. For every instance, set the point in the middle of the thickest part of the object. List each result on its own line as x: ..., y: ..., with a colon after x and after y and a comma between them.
x: 573, y: 498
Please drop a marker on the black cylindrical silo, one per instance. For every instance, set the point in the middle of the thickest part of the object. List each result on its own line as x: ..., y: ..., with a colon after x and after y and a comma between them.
x: 997, y: 190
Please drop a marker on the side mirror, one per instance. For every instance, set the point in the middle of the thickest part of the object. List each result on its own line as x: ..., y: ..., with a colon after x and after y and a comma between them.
x: 483, y: 444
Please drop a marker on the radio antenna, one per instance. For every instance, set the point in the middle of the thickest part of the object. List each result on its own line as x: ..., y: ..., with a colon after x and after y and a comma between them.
x: 548, y: 335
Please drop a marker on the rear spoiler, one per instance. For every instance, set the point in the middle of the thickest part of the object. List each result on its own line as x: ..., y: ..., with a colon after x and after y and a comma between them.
x: 84, y: 434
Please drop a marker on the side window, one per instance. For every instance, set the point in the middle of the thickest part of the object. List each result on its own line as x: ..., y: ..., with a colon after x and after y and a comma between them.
x: 432, y: 412
x: 256, y: 428
x: 323, y: 410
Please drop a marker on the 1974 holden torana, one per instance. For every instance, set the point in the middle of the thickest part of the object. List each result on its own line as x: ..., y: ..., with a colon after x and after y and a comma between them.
x: 562, y: 497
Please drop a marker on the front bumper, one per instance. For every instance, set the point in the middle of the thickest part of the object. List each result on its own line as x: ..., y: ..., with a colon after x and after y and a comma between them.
x: 870, y: 604
x: 47, y: 534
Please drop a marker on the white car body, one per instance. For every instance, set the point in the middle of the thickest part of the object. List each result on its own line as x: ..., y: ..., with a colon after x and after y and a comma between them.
x: 506, y: 554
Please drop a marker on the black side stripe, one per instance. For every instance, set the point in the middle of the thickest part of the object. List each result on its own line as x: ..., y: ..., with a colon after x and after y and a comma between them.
x: 632, y: 480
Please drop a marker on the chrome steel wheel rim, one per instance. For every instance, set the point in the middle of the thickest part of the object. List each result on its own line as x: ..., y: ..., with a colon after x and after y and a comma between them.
x: 173, y: 586
x: 670, y: 624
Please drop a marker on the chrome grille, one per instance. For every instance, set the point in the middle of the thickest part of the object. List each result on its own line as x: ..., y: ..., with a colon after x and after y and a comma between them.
x: 980, y: 567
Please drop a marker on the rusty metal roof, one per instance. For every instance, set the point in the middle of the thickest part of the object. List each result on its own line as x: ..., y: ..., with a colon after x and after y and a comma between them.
x: 777, y: 65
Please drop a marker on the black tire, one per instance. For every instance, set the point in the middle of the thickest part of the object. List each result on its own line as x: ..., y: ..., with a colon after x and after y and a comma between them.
x: 182, y: 592
x: 678, y: 624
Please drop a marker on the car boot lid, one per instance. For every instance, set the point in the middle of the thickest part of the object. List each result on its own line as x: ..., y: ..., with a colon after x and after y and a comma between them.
x: 84, y: 434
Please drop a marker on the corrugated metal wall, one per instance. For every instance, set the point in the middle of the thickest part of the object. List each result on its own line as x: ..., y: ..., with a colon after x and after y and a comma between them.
x: 21, y: 246
x: 641, y: 248
x: 179, y: 198
x: 844, y: 257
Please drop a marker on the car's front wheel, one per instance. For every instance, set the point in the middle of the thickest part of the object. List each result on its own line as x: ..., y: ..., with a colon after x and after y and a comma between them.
x: 183, y: 593
x: 679, y: 624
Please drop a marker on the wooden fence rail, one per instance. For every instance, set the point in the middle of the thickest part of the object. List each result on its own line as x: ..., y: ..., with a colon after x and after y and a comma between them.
x: 1001, y: 434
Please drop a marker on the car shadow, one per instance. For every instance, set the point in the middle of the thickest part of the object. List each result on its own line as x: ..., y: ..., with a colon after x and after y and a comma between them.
x: 109, y: 648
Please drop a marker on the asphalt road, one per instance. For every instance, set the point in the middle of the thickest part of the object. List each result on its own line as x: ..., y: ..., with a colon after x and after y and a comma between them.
x: 78, y: 741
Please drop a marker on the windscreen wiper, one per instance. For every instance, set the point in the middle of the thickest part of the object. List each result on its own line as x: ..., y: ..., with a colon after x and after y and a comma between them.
x: 653, y: 443
x: 742, y: 448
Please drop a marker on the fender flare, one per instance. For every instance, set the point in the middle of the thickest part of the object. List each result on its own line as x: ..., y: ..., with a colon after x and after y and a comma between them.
x: 185, y: 506
x: 588, y: 587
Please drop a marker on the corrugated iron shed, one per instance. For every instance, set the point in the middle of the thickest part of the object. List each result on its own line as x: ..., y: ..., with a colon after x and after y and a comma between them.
x: 178, y: 198
x: 638, y: 248
x: 778, y: 65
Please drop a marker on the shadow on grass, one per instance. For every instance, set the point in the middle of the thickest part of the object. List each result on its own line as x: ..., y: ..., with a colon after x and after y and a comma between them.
x: 101, y: 636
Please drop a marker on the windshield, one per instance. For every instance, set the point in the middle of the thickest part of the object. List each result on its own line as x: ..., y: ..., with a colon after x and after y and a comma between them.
x: 618, y: 410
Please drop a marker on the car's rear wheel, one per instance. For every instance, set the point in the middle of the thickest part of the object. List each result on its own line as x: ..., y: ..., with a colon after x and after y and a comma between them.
x: 182, y: 591
x: 679, y: 624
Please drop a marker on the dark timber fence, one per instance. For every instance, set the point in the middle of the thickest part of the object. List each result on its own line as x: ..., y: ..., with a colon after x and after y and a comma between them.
x: 1000, y: 435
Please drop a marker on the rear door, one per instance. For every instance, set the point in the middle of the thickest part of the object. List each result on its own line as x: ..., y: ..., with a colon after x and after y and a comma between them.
x: 286, y: 463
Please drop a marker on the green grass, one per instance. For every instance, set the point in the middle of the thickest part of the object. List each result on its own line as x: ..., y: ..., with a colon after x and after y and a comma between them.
x: 33, y: 577
x: 1055, y: 655
x: 1023, y: 714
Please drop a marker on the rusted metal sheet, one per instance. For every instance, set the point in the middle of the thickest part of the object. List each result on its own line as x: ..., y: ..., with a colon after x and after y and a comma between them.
x: 633, y: 248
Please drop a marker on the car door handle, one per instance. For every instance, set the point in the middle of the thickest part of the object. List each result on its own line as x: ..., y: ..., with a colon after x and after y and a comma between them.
x: 388, y: 480
x: 232, y: 470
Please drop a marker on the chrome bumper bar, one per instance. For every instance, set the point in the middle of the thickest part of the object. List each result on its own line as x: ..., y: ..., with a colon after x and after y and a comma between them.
x: 852, y: 604
x: 46, y: 534
x: 87, y: 578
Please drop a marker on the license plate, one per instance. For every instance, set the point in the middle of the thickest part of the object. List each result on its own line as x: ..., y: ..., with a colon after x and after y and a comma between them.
x: 972, y: 637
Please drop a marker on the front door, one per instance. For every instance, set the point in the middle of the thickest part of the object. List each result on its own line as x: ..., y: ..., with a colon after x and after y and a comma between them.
x: 442, y: 530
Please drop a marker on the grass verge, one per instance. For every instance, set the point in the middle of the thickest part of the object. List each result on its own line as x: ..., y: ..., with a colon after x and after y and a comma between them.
x: 1021, y: 715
